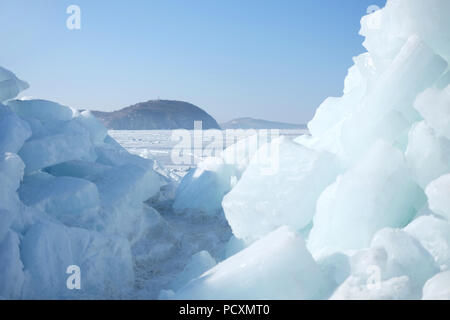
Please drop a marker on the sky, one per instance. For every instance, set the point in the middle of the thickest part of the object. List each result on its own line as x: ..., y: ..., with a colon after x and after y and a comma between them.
x: 267, y: 59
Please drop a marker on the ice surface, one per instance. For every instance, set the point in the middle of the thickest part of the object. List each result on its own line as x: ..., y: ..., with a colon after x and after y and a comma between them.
x: 386, y: 110
x: 197, y: 265
x: 438, y: 193
x: 6, y: 220
x: 122, y: 191
x: 11, y: 267
x: 73, y: 201
x: 11, y: 173
x: 13, y: 131
x: 438, y: 287
x: 48, y: 249
x: 254, y: 273
x: 42, y: 110
x: 240, y: 153
x: 156, y: 241
x: 355, y: 288
x: 96, y: 130
x: 376, y: 193
x: 72, y: 143
x: 405, y: 256
x: 427, y: 155
x: 434, y: 106
x: 396, y: 266
x: 78, y: 169
x: 335, y: 266
x: 10, y: 85
x: 434, y: 235
x: 202, y: 189
x: 280, y: 187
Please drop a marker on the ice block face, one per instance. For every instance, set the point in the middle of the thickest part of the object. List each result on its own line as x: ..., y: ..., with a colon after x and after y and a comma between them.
x: 198, y: 264
x: 13, y: 131
x: 396, y: 266
x: 276, y: 267
x: 368, y: 190
x: 42, y: 110
x: 434, y: 235
x: 201, y: 191
x: 438, y: 193
x: 11, y: 266
x: 48, y: 249
x: 260, y: 202
x: 376, y: 193
x: 434, y: 106
x: 427, y: 154
x: 10, y: 85
x: 438, y: 287
x: 75, y: 202
x: 387, y: 110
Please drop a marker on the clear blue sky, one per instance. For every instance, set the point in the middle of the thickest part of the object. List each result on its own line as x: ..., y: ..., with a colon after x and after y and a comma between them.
x: 274, y: 60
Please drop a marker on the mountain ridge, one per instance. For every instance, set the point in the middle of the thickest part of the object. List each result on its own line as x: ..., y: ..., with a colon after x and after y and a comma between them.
x: 157, y: 115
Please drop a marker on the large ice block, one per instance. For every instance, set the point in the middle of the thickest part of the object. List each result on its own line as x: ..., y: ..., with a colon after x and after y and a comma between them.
x: 427, y: 155
x: 438, y: 193
x: 10, y: 85
x: 280, y: 191
x: 276, y: 267
x: 438, y: 287
x: 73, y: 201
x: 202, y: 189
x: 374, y: 194
x: 42, y: 110
x: 434, y: 235
x: 13, y: 131
x: 48, y: 249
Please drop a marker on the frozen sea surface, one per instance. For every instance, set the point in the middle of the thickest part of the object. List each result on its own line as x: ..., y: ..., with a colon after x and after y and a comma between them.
x: 159, y: 144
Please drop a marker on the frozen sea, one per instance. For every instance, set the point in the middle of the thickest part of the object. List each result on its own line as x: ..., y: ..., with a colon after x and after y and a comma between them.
x: 159, y: 144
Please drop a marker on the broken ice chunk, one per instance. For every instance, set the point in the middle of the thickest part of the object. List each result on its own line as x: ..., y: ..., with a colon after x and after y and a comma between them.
x: 255, y: 273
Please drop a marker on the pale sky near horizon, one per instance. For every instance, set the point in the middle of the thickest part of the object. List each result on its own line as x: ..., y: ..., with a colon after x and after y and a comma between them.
x: 266, y: 59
